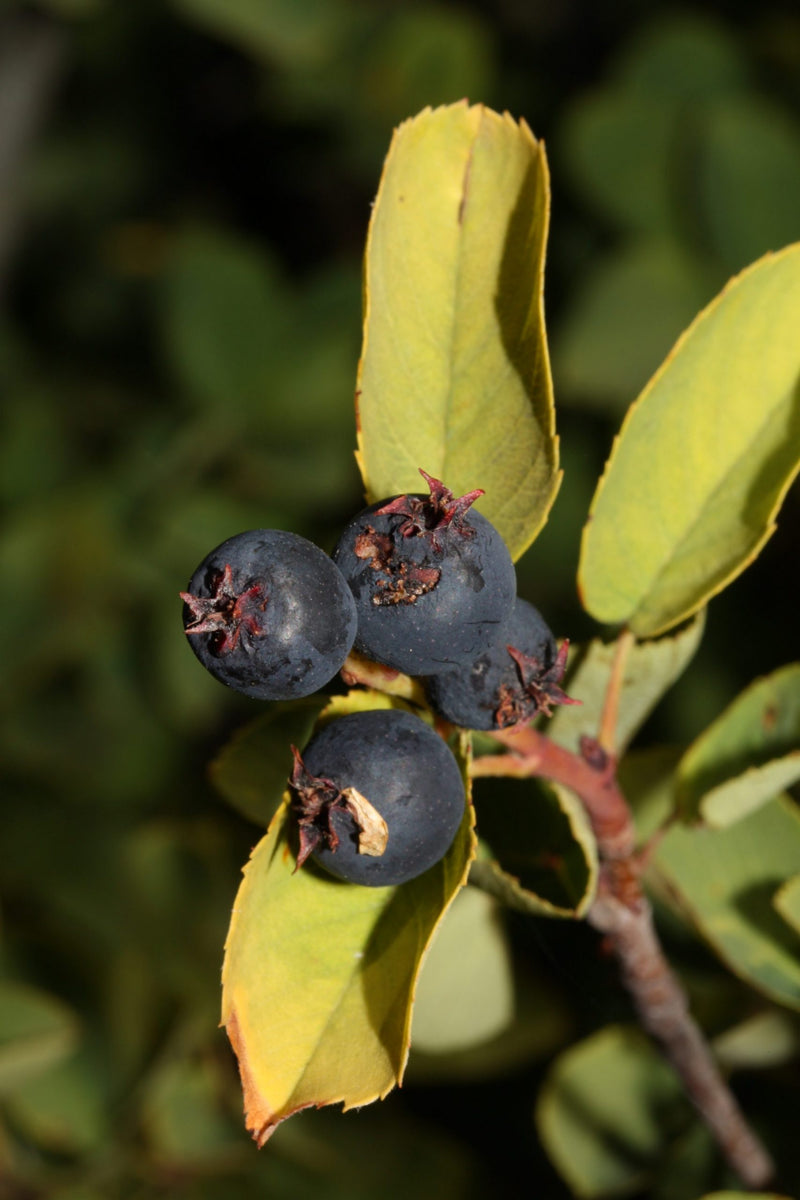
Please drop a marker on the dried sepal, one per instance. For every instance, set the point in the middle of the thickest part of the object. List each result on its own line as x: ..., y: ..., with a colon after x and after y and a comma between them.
x: 431, y: 516
x: 226, y: 612
x: 538, y: 690
x: 315, y: 798
x: 373, y: 832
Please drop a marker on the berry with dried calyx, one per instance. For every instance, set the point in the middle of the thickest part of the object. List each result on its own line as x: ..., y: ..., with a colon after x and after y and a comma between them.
x: 514, y: 680
x: 432, y: 579
x: 269, y: 614
x: 378, y: 797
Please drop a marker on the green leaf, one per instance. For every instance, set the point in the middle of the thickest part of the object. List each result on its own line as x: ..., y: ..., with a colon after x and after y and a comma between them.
x: 727, y: 879
x: 465, y: 992
x: 647, y: 780
x: 36, y: 1031
x: 620, y: 154
x: 543, y: 856
x: 767, y: 1039
x: 747, y: 177
x: 252, y: 770
x: 319, y: 976
x: 65, y: 1109
x: 703, y: 460
x: 300, y: 32
x: 540, y: 1024
x: 226, y: 320
x: 651, y: 668
x: 602, y: 1113
x: 748, y: 755
x: 745, y: 1196
x: 623, y: 315
x: 454, y: 374
x: 183, y: 1114
x: 787, y: 902
x: 683, y: 56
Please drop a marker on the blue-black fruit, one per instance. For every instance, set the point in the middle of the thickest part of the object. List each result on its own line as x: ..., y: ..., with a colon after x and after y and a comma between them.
x: 514, y: 680
x: 269, y: 614
x: 432, y: 579
x: 405, y: 772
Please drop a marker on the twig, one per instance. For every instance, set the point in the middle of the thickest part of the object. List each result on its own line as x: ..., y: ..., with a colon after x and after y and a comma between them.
x: 662, y: 1008
x: 623, y: 914
x: 591, y: 776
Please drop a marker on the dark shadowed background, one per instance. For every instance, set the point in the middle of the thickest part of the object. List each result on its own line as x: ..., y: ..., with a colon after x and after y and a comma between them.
x: 185, y: 188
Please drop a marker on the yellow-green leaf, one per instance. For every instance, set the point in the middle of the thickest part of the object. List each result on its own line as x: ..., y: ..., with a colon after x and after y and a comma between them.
x: 36, y: 1031
x: 651, y: 667
x: 543, y: 856
x: 539, y: 1026
x: 65, y: 1110
x: 454, y: 374
x: 703, y: 460
x: 601, y: 1112
x: 748, y: 755
x: 319, y: 977
x: 766, y: 1039
x: 727, y: 880
x: 465, y: 994
x: 252, y: 769
x: 787, y: 902
x: 745, y: 1196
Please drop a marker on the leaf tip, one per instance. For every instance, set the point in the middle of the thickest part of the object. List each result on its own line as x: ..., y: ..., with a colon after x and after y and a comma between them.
x: 260, y: 1120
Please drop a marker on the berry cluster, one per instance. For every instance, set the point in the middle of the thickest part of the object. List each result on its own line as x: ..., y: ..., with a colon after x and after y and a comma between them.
x: 420, y: 583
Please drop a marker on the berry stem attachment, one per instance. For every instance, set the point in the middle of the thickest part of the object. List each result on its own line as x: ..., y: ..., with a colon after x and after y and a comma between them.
x: 623, y: 914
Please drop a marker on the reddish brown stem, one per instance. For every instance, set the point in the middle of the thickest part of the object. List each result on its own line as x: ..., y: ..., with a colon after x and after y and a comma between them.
x: 622, y: 912
x: 590, y: 775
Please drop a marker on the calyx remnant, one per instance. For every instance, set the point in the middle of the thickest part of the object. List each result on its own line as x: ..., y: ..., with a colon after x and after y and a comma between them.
x: 226, y: 612
x: 430, y: 516
x: 315, y: 798
x: 538, y: 690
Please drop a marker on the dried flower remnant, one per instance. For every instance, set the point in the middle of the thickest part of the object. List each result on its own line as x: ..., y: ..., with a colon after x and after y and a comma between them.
x: 226, y: 612
x: 538, y: 690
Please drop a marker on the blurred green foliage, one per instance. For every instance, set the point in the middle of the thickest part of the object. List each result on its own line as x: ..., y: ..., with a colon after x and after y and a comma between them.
x: 184, y: 192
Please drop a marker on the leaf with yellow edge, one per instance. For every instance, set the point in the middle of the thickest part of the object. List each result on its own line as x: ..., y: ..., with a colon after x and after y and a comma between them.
x: 728, y: 881
x: 787, y: 902
x: 745, y: 1196
x: 703, y: 460
x: 748, y: 755
x: 319, y: 976
x: 650, y: 669
x: 454, y: 374
x: 543, y: 856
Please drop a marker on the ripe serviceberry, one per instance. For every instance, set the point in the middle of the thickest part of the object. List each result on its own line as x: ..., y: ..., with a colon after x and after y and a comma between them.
x: 514, y: 680
x: 432, y: 580
x: 378, y: 796
x: 269, y: 614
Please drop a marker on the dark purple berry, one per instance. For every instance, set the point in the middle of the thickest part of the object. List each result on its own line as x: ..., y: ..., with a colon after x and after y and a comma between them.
x: 409, y: 780
x: 432, y: 580
x: 513, y: 681
x: 269, y: 614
